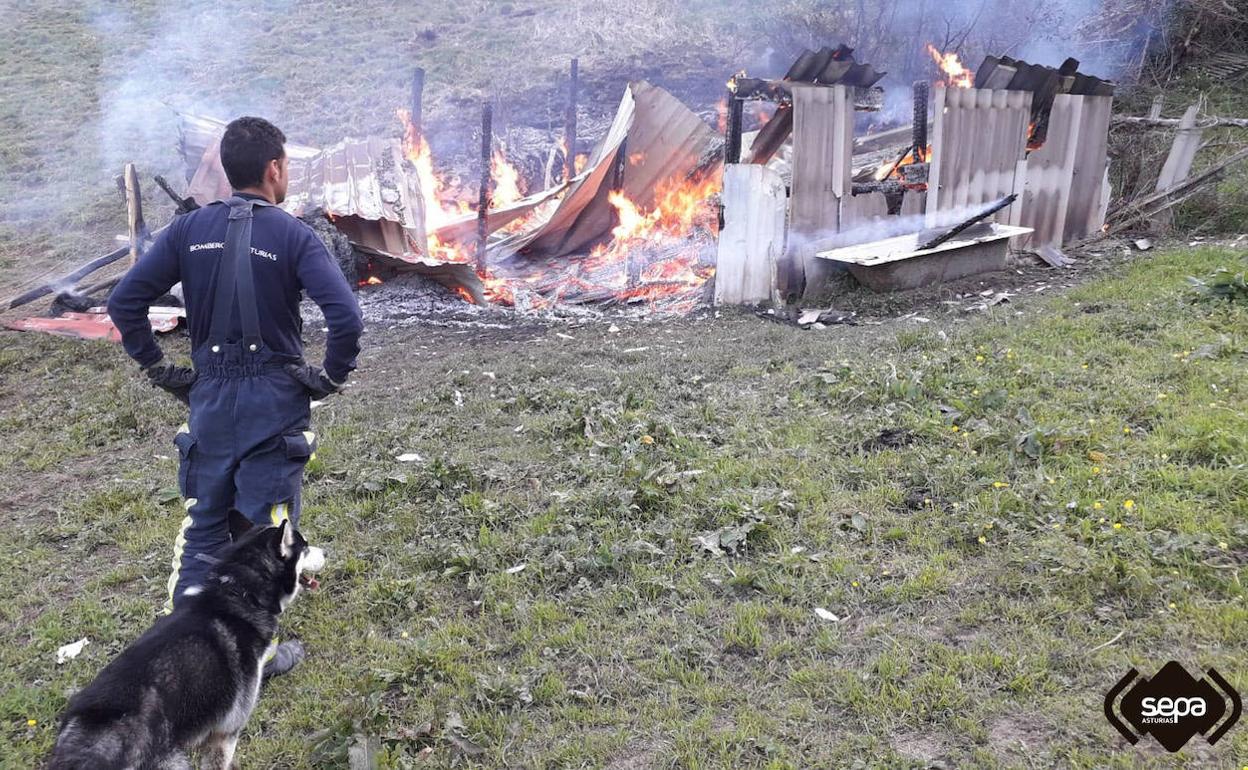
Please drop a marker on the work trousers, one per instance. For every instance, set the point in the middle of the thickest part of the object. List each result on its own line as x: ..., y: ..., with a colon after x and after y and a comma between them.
x: 245, y: 447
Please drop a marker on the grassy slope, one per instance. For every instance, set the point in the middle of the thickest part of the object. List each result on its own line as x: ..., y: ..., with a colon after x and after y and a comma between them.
x: 971, y: 578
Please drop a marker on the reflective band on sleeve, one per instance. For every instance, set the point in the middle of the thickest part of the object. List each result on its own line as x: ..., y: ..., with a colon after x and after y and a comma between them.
x: 278, y: 513
x: 179, y: 545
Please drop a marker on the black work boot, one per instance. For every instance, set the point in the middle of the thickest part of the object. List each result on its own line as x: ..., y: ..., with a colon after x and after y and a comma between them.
x: 286, y: 656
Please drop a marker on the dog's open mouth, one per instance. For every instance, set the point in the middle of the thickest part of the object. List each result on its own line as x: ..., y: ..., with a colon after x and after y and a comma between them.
x: 309, y: 582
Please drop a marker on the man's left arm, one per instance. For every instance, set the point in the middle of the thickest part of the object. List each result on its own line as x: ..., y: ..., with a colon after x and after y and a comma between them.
x: 325, y: 284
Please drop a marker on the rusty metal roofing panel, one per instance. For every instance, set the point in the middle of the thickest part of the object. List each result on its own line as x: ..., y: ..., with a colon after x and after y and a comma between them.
x: 662, y: 139
x: 363, y: 184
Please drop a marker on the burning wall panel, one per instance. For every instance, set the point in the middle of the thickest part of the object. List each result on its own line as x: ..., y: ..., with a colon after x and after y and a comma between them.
x: 979, y: 139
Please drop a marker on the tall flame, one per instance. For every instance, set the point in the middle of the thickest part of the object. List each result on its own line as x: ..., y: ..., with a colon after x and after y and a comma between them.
x: 508, y: 185
x: 441, y: 207
x: 956, y: 74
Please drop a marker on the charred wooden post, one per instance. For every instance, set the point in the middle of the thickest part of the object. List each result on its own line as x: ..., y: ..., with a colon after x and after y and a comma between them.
x: 483, y: 201
x: 569, y: 131
x: 418, y: 101
x: 134, y: 212
x: 918, y: 132
x: 732, y: 139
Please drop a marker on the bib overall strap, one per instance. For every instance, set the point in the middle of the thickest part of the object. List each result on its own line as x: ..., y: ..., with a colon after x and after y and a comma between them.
x: 235, y: 280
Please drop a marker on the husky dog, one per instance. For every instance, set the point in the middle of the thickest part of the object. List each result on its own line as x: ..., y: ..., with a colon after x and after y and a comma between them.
x: 192, y: 680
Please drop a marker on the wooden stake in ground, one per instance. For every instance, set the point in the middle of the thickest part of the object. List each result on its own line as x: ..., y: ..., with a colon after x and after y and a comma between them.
x: 483, y: 201
x: 134, y: 212
x: 569, y: 130
x: 418, y: 96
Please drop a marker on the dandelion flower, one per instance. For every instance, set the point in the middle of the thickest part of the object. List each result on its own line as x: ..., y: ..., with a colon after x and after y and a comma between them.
x: 983, y: 539
x: 1000, y: 484
x: 953, y: 428
x: 1173, y: 606
x: 647, y: 439
x: 1126, y: 430
x: 1128, y: 504
x: 979, y: 358
x: 1096, y: 469
x: 31, y: 722
x: 1117, y: 525
x: 854, y: 584
x: 1096, y: 506
x: 1223, y: 545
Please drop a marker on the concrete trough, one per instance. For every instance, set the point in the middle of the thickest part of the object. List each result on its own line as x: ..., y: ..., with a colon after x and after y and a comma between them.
x: 894, y: 264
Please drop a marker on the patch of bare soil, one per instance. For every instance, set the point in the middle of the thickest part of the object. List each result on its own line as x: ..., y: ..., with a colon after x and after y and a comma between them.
x: 920, y: 746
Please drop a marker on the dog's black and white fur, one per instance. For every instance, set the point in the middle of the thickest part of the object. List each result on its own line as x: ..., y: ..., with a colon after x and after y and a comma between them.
x: 193, y: 679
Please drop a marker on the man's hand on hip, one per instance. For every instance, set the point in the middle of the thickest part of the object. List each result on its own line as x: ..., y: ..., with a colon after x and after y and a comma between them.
x: 317, y: 382
x: 177, y: 380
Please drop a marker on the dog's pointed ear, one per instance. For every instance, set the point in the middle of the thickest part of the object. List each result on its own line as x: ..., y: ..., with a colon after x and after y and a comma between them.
x: 285, y: 539
x: 238, y: 523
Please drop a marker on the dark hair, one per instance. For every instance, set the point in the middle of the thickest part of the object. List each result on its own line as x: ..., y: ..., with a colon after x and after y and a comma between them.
x: 246, y: 149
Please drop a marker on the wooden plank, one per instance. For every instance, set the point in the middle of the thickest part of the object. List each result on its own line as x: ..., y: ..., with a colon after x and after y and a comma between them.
x: 751, y: 243
x: 1186, y: 141
x: 822, y: 148
x: 134, y: 213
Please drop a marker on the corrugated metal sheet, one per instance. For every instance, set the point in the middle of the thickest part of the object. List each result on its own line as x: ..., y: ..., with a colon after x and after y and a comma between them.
x: 363, y: 184
x: 362, y: 181
x: 979, y: 138
x: 1065, y: 177
x: 751, y: 243
x: 823, y: 124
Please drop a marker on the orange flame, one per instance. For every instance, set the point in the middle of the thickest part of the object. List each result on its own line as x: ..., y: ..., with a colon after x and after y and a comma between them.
x: 441, y: 207
x: 508, y: 185
x: 956, y: 74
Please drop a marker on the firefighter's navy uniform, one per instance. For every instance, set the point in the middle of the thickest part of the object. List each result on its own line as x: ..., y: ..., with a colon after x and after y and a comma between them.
x: 243, y: 264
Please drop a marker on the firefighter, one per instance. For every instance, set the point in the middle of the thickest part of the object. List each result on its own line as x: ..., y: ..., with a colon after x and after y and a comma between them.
x: 243, y: 264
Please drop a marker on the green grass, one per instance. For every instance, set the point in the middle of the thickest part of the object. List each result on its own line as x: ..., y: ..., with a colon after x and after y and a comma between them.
x: 1074, y: 472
